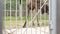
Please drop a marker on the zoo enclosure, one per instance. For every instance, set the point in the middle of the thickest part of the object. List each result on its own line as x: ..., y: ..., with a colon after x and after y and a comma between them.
x: 52, y: 20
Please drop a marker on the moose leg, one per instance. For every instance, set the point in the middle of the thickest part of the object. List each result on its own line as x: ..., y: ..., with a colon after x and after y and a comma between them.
x: 24, y: 24
x: 33, y: 17
x: 38, y: 19
x: 35, y: 21
x: 26, y: 20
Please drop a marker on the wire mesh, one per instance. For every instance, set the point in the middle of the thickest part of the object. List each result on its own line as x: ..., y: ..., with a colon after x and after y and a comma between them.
x: 26, y: 17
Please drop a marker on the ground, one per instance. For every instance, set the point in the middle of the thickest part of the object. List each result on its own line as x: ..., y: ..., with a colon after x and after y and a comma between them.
x: 14, y: 26
x: 37, y: 30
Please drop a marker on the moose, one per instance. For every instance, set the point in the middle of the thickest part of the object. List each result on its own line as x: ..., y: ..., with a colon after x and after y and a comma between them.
x: 35, y: 5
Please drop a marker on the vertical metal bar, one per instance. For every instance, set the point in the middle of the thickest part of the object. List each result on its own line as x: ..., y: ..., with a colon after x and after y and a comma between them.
x: 57, y: 16
x: 36, y: 18
x: 1, y: 15
x: 10, y: 17
x: 49, y: 16
x: 21, y: 14
x: 52, y: 16
x: 26, y: 17
x: 36, y: 11
x: 5, y: 18
x: 31, y: 16
x: 44, y: 15
x: 20, y: 8
x: 16, y: 18
x: 40, y: 16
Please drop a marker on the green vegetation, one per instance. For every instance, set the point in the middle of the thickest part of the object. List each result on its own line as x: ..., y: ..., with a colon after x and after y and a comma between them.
x: 13, y: 4
x: 24, y: 17
x: 13, y: 21
x: 13, y: 18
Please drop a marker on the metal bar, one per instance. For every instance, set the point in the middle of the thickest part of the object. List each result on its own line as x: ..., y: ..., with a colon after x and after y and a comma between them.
x: 31, y: 17
x: 2, y: 5
x: 26, y: 17
x: 16, y: 18
x: 36, y: 18
x: 44, y: 15
x: 10, y: 17
x: 52, y: 16
x: 40, y: 17
x: 5, y: 18
x: 21, y: 14
x: 57, y: 16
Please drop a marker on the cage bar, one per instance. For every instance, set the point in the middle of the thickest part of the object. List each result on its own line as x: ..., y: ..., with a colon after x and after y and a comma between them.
x: 2, y: 7
x: 52, y: 13
x: 57, y: 16
x: 52, y: 16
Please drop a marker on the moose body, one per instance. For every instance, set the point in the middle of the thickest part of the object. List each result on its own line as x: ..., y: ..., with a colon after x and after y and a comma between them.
x: 36, y: 5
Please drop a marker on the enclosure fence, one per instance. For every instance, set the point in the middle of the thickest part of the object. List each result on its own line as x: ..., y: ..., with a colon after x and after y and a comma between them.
x: 27, y: 17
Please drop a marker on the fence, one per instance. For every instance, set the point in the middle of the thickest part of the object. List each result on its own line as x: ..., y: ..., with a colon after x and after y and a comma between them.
x: 14, y: 12
x: 33, y: 22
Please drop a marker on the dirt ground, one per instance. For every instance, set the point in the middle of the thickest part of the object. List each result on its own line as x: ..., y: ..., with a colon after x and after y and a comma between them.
x: 37, y: 30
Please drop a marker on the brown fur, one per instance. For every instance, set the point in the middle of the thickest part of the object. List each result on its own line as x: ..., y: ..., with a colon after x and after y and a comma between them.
x: 34, y: 5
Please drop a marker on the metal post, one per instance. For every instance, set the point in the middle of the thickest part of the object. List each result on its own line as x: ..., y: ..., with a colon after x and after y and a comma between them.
x: 58, y: 17
x: 52, y: 15
x: 1, y: 15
